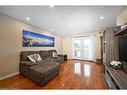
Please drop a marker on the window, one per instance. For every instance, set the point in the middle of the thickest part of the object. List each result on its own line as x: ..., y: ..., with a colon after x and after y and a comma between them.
x: 77, y: 44
x: 83, y: 48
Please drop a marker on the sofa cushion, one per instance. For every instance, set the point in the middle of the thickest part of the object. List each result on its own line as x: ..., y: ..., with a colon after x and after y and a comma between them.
x: 37, y: 57
x: 55, y: 55
x: 44, y: 67
x: 51, y: 52
x: 24, y: 54
x: 44, y: 54
x: 32, y: 58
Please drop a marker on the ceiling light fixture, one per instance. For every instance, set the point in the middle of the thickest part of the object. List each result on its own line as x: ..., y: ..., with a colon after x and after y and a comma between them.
x: 27, y: 18
x: 101, y: 17
x: 51, y: 6
x: 71, y: 25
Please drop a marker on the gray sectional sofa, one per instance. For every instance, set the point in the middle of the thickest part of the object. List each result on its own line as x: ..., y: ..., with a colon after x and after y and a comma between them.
x: 43, y: 71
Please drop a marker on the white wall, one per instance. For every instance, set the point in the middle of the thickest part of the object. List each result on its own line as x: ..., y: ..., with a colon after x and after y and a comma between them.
x: 122, y: 17
x: 67, y: 44
x: 11, y: 43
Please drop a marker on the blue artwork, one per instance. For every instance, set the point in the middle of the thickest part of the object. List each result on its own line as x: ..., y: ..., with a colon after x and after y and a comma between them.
x: 31, y: 39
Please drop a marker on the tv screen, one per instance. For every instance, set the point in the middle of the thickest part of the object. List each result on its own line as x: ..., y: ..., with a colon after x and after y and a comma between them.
x: 123, y: 48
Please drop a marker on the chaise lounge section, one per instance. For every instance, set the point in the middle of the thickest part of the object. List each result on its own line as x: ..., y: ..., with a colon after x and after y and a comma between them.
x: 43, y: 71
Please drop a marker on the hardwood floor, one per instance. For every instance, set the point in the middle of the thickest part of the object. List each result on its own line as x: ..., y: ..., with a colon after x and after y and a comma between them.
x: 74, y: 74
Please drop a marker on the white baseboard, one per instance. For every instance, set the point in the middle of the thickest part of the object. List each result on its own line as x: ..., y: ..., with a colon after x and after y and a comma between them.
x: 9, y: 76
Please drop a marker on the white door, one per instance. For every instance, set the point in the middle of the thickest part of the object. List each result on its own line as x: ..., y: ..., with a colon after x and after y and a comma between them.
x: 82, y: 48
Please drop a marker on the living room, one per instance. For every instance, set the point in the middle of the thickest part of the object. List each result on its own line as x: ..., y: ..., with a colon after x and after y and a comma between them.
x: 63, y: 47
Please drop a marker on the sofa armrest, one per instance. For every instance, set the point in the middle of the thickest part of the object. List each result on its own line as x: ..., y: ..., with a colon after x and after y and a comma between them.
x: 28, y: 63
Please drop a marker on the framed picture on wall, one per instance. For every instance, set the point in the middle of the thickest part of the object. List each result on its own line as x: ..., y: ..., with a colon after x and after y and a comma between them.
x: 32, y: 39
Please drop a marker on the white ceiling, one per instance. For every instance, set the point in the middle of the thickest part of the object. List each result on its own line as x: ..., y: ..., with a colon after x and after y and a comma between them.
x: 65, y: 20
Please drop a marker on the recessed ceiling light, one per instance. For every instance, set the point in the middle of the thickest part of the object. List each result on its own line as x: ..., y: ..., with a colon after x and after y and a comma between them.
x: 51, y: 6
x: 70, y: 25
x: 27, y: 18
x: 101, y: 17
x: 52, y: 30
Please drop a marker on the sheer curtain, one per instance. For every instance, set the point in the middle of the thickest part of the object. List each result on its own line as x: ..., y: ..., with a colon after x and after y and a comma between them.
x: 84, y: 48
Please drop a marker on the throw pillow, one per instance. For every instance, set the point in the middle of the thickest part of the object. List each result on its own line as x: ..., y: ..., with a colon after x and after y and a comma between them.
x: 54, y: 55
x: 37, y: 57
x: 32, y: 58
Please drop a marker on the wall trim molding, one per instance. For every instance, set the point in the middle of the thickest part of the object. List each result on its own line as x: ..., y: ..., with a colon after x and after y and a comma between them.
x: 9, y: 75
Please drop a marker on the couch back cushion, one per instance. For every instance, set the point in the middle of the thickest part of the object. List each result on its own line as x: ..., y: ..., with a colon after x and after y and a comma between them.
x: 44, y: 54
x: 51, y: 52
x: 24, y: 55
